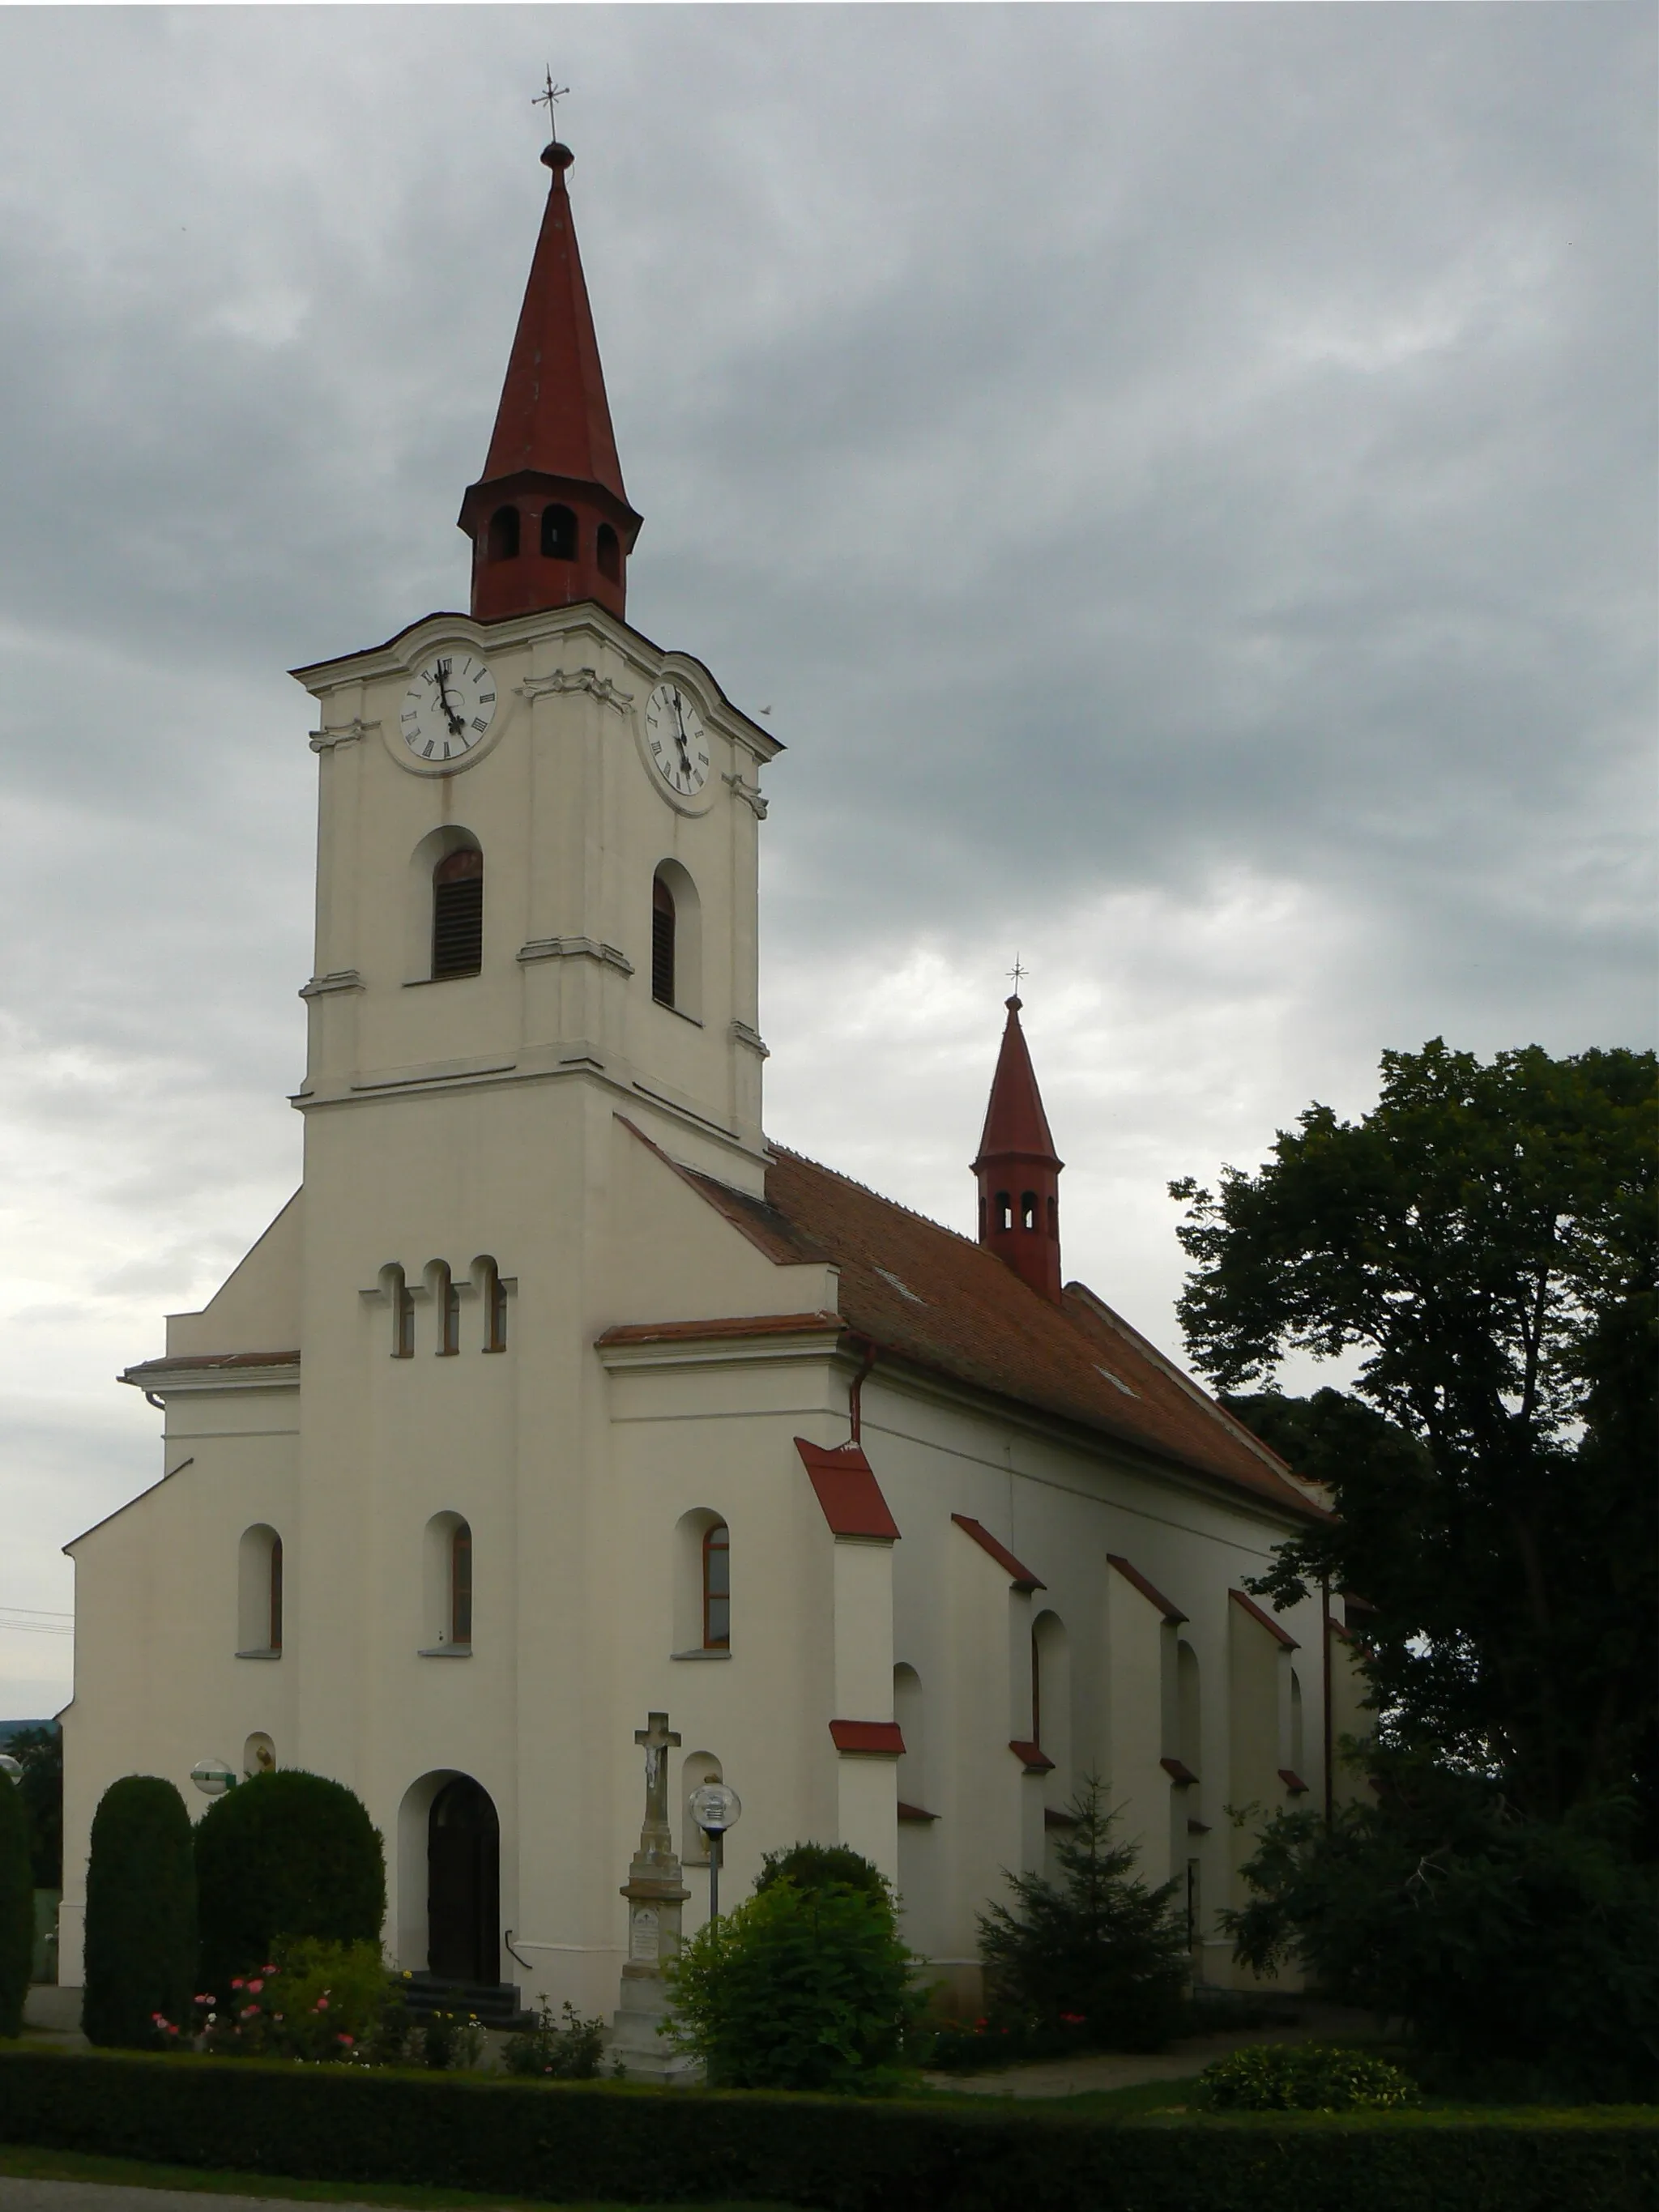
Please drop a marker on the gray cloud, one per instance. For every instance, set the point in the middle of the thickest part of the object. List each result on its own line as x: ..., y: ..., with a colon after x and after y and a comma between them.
x: 1182, y: 477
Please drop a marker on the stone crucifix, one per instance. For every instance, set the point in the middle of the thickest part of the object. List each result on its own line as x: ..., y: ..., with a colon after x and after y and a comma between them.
x: 655, y: 1894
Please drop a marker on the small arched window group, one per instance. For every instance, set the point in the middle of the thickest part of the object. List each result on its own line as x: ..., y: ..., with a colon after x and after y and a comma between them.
x: 445, y: 1295
x: 1032, y: 1215
x: 558, y: 537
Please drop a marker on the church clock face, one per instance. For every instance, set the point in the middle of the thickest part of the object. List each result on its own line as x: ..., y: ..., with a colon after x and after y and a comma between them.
x: 678, y: 738
x: 449, y: 707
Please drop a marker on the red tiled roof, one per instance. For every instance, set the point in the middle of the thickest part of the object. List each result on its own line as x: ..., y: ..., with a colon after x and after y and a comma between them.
x: 873, y: 1739
x: 684, y: 1331
x: 1021, y: 1576
x: 924, y: 1294
x: 1266, y: 1618
x: 1032, y: 1756
x: 846, y: 1489
x: 1133, y: 1575
x: 147, y: 1368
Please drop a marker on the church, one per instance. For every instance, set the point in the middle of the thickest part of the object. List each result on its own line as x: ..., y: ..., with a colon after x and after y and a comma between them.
x: 557, y: 1396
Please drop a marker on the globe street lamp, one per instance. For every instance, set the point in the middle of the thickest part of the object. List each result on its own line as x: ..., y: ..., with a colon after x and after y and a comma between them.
x: 212, y: 1777
x: 716, y: 1808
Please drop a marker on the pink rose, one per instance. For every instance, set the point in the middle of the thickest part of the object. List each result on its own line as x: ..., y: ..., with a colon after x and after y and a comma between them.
x: 322, y: 2004
x: 254, y: 1988
x: 347, y: 2040
x: 236, y: 1981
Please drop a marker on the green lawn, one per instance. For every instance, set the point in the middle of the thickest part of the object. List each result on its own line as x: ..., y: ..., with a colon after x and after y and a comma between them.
x: 23, y: 2164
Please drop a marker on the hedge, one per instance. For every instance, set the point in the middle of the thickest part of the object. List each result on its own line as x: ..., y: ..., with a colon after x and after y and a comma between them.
x: 17, y: 1907
x: 564, y: 2142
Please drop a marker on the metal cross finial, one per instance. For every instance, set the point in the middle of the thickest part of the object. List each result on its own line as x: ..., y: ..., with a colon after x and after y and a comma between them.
x: 1016, y: 973
x: 548, y: 99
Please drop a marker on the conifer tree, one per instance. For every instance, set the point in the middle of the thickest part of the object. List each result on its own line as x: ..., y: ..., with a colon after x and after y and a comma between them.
x: 17, y: 1907
x: 141, y: 1913
x: 1098, y: 1947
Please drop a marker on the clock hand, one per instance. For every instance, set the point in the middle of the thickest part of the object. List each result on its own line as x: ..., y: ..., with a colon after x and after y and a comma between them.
x: 456, y: 723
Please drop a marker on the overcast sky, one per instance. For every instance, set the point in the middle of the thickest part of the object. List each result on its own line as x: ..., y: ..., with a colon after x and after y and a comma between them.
x: 1182, y: 479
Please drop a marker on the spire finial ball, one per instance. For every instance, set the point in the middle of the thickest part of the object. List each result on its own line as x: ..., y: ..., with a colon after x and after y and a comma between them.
x: 558, y: 157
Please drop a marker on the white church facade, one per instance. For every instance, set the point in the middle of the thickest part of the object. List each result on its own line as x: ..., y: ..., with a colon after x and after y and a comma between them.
x: 557, y: 1396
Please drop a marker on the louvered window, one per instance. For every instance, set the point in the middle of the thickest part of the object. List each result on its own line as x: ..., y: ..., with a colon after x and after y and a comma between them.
x: 457, y: 915
x: 662, y: 943
x: 276, y: 1636
x: 717, y: 1587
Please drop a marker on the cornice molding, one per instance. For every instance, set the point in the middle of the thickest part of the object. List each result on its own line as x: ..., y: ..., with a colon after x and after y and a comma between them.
x: 749, y: 792
x: 575, y: 948
x: 562, y: 680
x: 340, y: 979
x: 325, y: 740
x: 753, y: 1038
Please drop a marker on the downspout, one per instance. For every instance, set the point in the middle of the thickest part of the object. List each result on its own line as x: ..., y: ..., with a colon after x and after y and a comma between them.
x: 855, y: 1395
x: 1325, y: 1613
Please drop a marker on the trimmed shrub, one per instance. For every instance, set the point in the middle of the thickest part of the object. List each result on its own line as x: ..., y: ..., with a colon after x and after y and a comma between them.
x: 16, y: 1907
x: 314, y: 2001
x: 1097, y: 1950
x: 141, y: 1913
x: 578, y: 2142
x: 824, y: 1866
x: 1301, y: 2077
x: 285, y: 1854
x: 798, y: 1988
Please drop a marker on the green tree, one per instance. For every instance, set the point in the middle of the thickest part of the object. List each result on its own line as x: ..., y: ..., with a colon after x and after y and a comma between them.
x: 1097, y: 1946
x: 141, y: 1913
x: 16, y: 1907
x: 1523, y: 1953
x: 286, y: 1854
x: 1485, y: 1239
x: 806, y: 1986
x: 39, y: 1752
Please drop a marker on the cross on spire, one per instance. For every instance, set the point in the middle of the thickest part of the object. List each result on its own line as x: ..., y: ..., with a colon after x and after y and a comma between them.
x: 548, y: 99
x: 1017, y: 973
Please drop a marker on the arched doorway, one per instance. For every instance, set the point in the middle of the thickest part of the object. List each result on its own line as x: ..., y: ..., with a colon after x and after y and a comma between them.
x: 463, y: 1885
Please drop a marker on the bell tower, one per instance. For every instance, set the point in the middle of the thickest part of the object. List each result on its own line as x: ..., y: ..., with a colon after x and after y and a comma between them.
x: 549, y: 519
x: 1018, y: 1169
x: 538, y: 854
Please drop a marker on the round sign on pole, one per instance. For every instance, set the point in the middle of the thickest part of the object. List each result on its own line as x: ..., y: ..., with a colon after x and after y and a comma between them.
x: 212, y: 1777
x: 715, y: 1808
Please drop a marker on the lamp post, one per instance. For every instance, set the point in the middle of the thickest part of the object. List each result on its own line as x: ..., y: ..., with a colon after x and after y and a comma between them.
x: 716, y: 1808
x: 213, y: 1776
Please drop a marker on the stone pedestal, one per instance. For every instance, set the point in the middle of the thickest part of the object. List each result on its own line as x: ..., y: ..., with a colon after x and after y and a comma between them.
x: 656, y: 1896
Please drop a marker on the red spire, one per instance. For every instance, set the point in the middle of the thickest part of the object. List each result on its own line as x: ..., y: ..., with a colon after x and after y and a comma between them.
x: 549, y: 520
x: 1018, y: 1169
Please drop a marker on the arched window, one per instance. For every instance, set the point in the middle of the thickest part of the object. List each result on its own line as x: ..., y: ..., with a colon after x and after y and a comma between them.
x: 1053, y: 1216
x: 494, y: 1290
x: 558, y: 534
x: 446, y: 1600
x: 460, y: 1585
x: 259, y: 1596
x: 1005, y: 1211
x: 457, y: 915
x: 1051, y: 1700
x: 662, y: 942
x: 608, y: 549
x: 446, y: 1297
x: 502, y: 543
x: 401, y: 1299
x: 1298, y: 1751
x: 912, y: 1766
x: 1189, y: 1743
x: 1028, y: 1209
x: 717, y: 1587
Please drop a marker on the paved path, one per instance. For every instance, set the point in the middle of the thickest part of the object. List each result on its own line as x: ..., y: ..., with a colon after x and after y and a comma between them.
x: 20, y: 2196
x: 1113, y: 2069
